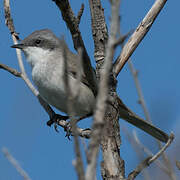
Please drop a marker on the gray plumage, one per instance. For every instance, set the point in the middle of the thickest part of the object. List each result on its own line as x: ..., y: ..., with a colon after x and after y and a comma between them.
x: 45, y: 53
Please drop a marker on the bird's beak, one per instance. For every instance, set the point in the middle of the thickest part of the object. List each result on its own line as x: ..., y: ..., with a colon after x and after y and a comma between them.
x: 19, y: 46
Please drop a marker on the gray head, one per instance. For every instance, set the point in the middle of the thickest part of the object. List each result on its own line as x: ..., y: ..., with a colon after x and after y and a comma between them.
x: 42, y: 38
x: 40, y: 46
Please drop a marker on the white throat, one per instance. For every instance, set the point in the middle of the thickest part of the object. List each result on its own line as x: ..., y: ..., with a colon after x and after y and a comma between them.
x: 36, y: 55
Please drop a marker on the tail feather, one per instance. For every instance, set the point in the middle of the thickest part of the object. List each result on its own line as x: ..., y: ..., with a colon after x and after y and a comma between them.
x: 148, y: 128
x: 130, y: 117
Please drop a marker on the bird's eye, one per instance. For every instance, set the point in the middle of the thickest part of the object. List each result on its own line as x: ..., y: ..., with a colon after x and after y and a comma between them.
x: 38, y: 41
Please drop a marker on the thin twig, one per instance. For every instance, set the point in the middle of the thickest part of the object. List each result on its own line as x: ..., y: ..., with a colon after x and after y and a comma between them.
x: 138, y: 35
x: 15, y: 163
x: 141, y: 101
x: 136, y: 147
x: 171, y: 138
x: 149, y: 153
x: 138, y: 169
x: 10, y: 25
x: 139, y: 91
x: 9, y: 20
x: 149, y: 160
x: 11, y: 70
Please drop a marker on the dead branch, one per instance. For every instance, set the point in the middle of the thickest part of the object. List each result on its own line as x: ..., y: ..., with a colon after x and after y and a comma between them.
x: 99, y: 33
x: 169, y: 170
x: 10, y: 70
x: 138, y: 35
x: 150, y: 160
x: 99, y: 123
x: 15, y: 163
x: 148, y: 152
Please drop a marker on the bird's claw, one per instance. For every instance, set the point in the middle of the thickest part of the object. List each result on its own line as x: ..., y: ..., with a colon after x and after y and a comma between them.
x: 68, y: 128
x: 55, y: 119
x: 56, y: 127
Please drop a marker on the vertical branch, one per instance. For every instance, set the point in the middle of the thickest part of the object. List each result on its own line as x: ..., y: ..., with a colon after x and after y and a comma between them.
x: 103, y: 122
x: 99, y: 32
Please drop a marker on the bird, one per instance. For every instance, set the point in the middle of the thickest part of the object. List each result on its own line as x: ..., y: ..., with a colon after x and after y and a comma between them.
x: 46, y: 54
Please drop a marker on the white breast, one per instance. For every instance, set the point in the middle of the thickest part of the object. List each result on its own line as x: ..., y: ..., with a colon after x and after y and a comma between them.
x: 47, y: 74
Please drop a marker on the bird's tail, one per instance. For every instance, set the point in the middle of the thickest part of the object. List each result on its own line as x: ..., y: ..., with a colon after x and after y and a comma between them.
x: 130, y: 117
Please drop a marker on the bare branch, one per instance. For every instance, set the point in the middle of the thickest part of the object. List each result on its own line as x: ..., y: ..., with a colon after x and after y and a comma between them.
x: 139, y: 91
x: 137, y: 149
x: 99, y: 123
x: 171, y: 138
x: 149, y: 153
x: 9, y: 20
x: 138, y: 35
x: 15, y: 163
x: 150, y: 160
x: 10, y: 70
x: 99, y: 31
x: 10, y: 25
x: 169, y: 170
x: 138, y: 169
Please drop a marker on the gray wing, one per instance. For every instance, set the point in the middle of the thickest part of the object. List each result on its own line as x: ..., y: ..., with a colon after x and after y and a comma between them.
x: 73, y: 67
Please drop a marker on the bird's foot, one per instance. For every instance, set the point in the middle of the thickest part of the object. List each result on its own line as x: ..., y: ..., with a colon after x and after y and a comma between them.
x: 55, y: 119
x: 68, y: 129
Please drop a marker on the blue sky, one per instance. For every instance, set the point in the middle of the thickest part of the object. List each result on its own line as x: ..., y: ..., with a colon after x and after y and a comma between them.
x: 42, y: 152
